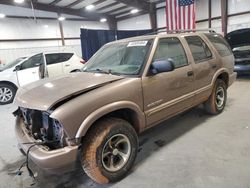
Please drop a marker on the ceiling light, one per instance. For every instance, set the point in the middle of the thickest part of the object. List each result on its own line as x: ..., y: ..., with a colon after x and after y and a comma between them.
x: 18, y: 1
x: 103, y: 20
x: 2, y: 15
x: 61, y: 18
x: 46, y: 26
x: 134, y: 11
x: 90, y: 7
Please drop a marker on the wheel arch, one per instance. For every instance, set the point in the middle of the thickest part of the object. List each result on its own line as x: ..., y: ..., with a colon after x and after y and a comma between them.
x: 9, y: 83
x: 222, y: 74
x: 126, y: 110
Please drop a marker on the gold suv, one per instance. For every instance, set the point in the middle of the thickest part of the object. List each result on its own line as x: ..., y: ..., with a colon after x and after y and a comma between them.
x: 127, y: 87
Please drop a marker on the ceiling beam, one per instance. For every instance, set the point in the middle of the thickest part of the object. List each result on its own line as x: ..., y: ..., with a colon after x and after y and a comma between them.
x: 55, y: 2
x: 99, y: 2
x: 121, y: 13
x: 108, y: 6
x: 74, y: 3
x: 130, y: 16
x: 140, y: 4
x: 118, y: 9
x: 50, y: 8
x: 96, y: 3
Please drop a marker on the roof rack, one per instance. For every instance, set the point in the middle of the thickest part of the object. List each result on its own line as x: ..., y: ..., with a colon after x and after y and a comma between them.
x: 181, y: 30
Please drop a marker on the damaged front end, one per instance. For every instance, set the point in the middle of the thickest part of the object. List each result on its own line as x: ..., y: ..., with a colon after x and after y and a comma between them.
x: 53, y: 151
x: 42, y: 128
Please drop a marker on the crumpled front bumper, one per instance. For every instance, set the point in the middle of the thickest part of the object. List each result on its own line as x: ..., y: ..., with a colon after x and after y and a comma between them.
x: 55, y: 161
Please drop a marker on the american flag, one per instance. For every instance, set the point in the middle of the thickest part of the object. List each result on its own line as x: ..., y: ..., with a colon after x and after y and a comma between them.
x: 180, y: 14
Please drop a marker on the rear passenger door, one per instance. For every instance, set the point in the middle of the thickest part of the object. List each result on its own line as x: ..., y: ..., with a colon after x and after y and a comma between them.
x: 167, y: 93
x: 54, y: 64
x: 204, y: 66
x: 68, y: 63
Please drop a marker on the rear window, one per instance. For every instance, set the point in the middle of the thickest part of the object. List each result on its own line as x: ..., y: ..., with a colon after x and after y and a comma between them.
x: 57, y: 58
x: 199, y: 48
x: 220, y: 44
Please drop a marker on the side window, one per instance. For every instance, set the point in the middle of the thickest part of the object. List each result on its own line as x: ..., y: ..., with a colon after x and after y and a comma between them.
x: 198, y: 48
x: 57, y: 58
x: 171, y: 48
x: 65, y: 56
x: 52, y: 58
x: 220, y: 44
x: 33, y: 61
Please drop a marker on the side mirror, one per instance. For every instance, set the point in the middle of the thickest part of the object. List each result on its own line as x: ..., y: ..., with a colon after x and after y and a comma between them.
x: 17, y: 68
x: 160, y: 66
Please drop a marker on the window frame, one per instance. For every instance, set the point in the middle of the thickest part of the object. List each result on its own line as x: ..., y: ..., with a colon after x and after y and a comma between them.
x: 22, y: 68
x: 214, y: 46
x: 201, y: 60
x: 180, y: 41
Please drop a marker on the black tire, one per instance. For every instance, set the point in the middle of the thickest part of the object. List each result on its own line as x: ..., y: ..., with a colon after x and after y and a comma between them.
x: 11, y: 90
x: 95, y: 143
x: 212, y: 106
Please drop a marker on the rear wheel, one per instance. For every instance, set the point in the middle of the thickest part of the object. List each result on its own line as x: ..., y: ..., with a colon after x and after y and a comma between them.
x: 217, y: 101
x: 7, y: 93
x: 109, y: 150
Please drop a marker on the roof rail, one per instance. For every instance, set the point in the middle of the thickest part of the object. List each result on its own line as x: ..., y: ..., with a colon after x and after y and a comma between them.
x: 163, y: 30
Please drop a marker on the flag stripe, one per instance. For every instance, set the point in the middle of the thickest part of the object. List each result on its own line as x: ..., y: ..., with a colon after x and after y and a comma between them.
x: 167, y: 15
x: 180, y: 14
x: 175, y: 13
x: 171, y: 15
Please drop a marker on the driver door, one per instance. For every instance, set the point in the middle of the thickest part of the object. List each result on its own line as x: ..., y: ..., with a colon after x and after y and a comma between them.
x: 168, y: 93
x: 29, y: 70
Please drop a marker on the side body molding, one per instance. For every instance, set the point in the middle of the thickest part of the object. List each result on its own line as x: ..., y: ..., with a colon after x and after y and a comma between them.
x: 86, y: 124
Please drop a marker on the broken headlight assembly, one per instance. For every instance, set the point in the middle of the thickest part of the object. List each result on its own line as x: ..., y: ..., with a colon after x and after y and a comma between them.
x: 42, y: 128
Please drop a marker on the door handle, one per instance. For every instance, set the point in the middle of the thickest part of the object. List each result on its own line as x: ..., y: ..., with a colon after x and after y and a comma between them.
x: 67, y: 65
x: 190, y: 73
x: 33, y: 72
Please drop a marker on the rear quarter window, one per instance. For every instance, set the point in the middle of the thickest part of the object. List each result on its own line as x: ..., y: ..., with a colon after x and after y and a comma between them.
x: 220, y: 44
x: 66, y: 56
x: 57, y: 58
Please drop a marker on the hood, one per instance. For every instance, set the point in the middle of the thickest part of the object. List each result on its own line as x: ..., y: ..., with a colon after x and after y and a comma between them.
x: 238, y: 38
x: 6, y: 73
x: 44, y: 94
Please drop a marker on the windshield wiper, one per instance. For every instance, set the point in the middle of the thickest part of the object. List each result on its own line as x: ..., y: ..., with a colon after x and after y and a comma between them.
x: 98, y: 70
x: 109, y: 71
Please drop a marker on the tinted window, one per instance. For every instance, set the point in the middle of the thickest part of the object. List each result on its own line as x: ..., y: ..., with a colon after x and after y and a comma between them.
x: 198, y: 48
x: 173, y: 49
x: 65, y: 56
x: 33, y: 61
x: 220, y: 44
x: 57, y: 57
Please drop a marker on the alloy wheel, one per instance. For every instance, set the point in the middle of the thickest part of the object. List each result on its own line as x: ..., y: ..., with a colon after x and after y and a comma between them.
x: 5, y: 94
x: 116, y: 152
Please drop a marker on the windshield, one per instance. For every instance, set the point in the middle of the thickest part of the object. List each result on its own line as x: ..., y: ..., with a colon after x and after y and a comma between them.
x: 13, y: 63
x: 125, y: 58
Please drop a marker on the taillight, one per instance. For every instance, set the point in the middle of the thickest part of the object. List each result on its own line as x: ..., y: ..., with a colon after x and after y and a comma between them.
x: 82, y: 61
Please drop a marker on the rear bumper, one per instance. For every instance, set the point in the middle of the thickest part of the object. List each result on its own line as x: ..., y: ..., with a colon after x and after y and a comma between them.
x: 55, y: 161
x: 232, y: 78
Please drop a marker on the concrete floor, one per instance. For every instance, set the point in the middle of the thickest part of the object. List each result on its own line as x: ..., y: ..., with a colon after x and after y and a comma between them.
x: 193, y: 150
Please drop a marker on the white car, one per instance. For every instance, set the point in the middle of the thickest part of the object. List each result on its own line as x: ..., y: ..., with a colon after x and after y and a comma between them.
x: 25, y: 70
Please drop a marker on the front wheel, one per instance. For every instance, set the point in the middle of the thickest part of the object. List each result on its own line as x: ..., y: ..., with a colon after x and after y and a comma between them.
x: 109, y: 150
x: 217, y: 101
x: 7, y: 93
